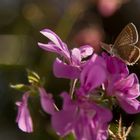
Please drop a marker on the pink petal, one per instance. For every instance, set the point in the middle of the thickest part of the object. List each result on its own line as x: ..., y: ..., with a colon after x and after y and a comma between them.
x: 53, y: 37
x: 62, y: 70
x: 131, y: 106
x: 86, y: 51
x: 62, y: 121
x: 49, y: 47
x: 76, y: 56
x: 134, y: 91
x: 93, y: 73
x: 115, y: 65
x: 125, y: 82
x: 56, y: 45
x: 47, y: 102
x: 23, y: 118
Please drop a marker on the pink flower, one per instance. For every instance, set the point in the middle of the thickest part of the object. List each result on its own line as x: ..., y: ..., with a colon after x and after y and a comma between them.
x: 71, y: 67
x: 87, y: 121
x: 24, y: 119
x: 83, y: 116
x: 56, y: 45
x: 47, y: 102
x: 126, y: 90
x: 121, y: 85
x: 116, y: 69
x: 93, y: 74
x: 115, y: 66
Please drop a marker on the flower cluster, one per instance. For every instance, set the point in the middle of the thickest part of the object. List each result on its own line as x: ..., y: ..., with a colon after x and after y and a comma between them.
x: 97, y: 81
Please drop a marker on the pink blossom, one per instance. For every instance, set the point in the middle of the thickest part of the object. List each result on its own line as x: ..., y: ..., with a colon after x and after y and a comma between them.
x: 73, y: 58
x: 87, y: 121
x: 93, y: 74
x: 126, y: 90
x: 122, y: 85
x: 46, y: 100
x: 24, y: 119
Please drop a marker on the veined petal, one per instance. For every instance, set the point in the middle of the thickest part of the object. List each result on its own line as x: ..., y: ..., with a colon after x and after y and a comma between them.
x: 76, y: 56
x: 50, y: 47
x: 84, y: 131
x: 54, y: 48
x: 57, y: 45
x: 53, y: 37
x: 131, y: 106
x: 86, y: 51
x: 23, y: 118
x: 129, y: 86
x: 86, y: 120
x: 62, y: 70
x: 134, y: 91
x: 93, y: 127
x: 125, y: 82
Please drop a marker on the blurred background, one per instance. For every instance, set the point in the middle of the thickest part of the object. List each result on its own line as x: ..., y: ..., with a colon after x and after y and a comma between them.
x: 77, y: 22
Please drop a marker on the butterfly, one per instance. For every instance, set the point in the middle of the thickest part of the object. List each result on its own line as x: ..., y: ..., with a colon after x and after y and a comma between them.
x: 124, y: 46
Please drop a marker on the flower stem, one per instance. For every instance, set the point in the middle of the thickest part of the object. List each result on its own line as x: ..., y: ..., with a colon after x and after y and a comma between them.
x: 72, y: 87
x: 56, y: 107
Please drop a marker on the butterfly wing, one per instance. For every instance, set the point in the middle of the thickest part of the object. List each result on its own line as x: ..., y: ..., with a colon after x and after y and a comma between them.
x: 128, y: 53
x: 124, y: 46
x: 106, y: 47
x: 128, y: 35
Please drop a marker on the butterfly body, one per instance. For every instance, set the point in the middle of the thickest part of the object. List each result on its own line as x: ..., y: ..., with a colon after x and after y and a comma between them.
x: 124, y: 46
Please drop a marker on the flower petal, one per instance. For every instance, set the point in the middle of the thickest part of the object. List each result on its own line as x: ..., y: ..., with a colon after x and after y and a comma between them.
x: 93, y: 78
x: 86, y: 51
x: 23, y: 118
x: 56, y: 45
x: 53, y: 37
x: 93, y: 74
x: 67, y: 102
x: 95, y: 127
x: 76, y: 56
x: 131, y: 106
x: 124, y: 83
x: 63, y: 120
x: 50, y: 47
x: 134, y: 91
x: 47, y: 102
x: 129, y: 86
x: 115, y: 65
x: 62, y: 70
